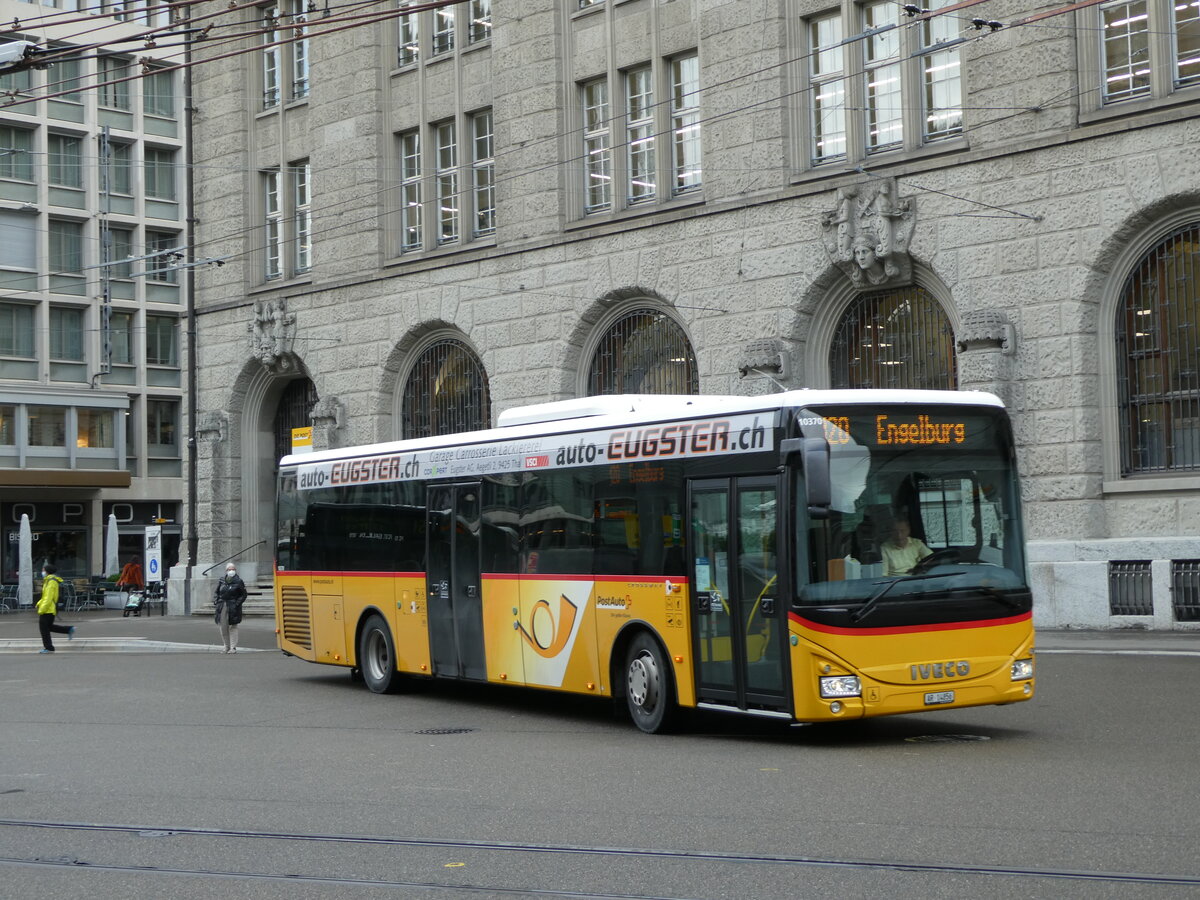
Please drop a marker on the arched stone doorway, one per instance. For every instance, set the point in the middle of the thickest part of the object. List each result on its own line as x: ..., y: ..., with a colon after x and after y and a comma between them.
x: 273, y: 407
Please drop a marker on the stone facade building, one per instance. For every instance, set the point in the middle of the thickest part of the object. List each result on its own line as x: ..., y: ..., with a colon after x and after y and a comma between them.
x: 434, y: 216
x: 93, y: 217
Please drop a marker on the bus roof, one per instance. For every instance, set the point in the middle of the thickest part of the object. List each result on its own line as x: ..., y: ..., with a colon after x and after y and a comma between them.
x: 614, y: 410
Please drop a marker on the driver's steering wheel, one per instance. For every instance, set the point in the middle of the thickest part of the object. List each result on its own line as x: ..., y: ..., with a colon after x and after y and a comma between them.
x: 937, y: 557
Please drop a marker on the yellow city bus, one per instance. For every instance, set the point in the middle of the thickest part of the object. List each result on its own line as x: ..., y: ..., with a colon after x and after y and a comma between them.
x: 812, y: 556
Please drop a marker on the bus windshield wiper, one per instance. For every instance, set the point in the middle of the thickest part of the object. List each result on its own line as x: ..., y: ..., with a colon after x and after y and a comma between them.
x: 874, y: 600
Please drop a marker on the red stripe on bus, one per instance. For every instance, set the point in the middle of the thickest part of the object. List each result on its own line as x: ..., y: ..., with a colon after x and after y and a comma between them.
x: 336, y: 574
x: 550, y: 576
x: 492, y: 576
x: 909, y: 629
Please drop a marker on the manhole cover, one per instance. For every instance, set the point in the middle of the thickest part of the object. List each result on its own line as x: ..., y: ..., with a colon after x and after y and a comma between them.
x: 445, y: 731
x: 947, y: 738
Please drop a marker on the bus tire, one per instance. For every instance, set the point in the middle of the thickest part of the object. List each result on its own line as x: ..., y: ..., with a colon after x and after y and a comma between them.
x: 649, y: 686
x: 377, y: 657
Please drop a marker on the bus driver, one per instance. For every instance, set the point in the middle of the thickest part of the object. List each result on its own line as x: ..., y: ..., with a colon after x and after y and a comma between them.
x: 903, y: 551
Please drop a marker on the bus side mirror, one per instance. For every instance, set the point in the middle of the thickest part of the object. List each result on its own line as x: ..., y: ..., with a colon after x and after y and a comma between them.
x: 814, y: 457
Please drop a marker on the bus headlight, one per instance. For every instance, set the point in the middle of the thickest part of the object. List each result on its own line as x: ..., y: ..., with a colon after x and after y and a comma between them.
x: 1022, y: 669
x: 841, y: 686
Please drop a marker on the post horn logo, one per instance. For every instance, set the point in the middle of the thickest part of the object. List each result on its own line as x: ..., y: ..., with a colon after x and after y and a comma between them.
x: 546, y: 635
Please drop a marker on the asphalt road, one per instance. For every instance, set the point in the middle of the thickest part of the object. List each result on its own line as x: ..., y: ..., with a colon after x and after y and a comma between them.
x: 137, y: 762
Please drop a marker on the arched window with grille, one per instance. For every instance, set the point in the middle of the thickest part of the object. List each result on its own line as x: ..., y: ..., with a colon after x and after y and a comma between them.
x: 294, y: 411
x: 644, y: 352
x: 894, y: 339
x: 1158, y: 358
x: 446, y: 392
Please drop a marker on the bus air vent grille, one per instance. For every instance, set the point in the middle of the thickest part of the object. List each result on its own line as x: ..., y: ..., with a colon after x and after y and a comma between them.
x: 297, y: 616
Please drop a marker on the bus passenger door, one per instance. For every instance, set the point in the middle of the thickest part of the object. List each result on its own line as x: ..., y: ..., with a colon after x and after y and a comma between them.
x: 740, y: 624
x: 453, y: 581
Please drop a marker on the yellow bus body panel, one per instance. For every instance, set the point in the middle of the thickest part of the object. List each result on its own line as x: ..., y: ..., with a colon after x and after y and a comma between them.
x: 557, y: 632
x: 898, y: 668
x: 318, y: 616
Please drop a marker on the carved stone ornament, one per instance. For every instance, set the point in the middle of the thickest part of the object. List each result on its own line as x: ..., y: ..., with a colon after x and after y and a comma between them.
x: 272, y: 334
x: 327, y: 413
x: 987, y: 328
x: 764, y: 357
x: 210, y: 426
x: 868, y: 234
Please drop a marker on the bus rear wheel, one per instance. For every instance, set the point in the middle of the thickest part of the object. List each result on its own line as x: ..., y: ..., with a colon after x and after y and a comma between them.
x: 649, y: 687
x: 377, y: 657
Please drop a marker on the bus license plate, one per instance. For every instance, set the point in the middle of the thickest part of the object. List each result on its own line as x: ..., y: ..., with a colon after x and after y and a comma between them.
x: 937, y: 698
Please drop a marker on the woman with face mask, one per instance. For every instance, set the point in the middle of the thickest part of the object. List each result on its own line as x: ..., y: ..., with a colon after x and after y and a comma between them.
x: 230, y: 594
x: 47, y: 609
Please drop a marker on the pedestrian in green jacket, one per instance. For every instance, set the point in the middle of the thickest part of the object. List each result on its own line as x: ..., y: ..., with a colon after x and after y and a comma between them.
x: 47, y: 609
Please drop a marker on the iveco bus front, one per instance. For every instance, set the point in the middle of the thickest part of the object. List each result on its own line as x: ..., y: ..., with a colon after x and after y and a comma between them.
x: 885, y: 621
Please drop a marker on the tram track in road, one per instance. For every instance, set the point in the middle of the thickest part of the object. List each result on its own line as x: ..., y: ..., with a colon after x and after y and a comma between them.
x: 507, y: 847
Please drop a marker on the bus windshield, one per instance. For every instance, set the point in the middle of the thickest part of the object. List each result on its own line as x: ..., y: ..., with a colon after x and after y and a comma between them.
x: 924, y: 510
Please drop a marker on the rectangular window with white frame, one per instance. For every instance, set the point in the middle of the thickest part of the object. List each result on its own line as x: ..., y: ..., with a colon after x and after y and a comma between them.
x: 1139, y: 50
x: 301, y: 175
x: 299, y: 48
x: 633, y: 108
x: 685, y: 123
x: 287, y: 220
x: 271, y: 53
x: 873, y: 85
x: 447, y: 184
x: 446, y: 181
x: 483, y: 170
x: 409, y: 49
x: 443, y: 29
x: 597, y: 146
x: 411, y: 207
x: 273, y: 236
x: 481, y: 21
x: 640, y: 137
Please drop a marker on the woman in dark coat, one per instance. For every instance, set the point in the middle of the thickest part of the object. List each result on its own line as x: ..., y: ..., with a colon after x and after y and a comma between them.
x: 227, y: 601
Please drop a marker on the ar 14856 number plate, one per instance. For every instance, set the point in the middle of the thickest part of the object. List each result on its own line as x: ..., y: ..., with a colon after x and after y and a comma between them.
x: 937, y: 698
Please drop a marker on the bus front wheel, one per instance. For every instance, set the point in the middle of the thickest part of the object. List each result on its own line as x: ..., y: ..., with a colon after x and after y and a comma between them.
x: 377, y: 657
x: 649, y: 687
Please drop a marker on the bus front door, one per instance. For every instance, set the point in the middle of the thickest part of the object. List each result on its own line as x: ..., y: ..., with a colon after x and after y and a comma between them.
x: 740, y: 623
x: 453, y: 581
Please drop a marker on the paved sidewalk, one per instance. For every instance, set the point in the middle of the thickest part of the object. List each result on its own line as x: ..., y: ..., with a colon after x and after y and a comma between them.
x: 108, y: 630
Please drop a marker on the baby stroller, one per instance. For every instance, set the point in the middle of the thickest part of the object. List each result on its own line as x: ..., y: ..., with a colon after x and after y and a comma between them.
x: 137, y: 598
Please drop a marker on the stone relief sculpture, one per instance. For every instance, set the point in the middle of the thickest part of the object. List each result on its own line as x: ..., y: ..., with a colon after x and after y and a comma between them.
x: 272, y: 334
x: 211, y: 426
x: 868, y: 234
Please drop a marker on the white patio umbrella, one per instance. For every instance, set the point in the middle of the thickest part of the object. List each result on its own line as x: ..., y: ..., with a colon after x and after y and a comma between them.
x: 112, y: 560
x: 25, y: 564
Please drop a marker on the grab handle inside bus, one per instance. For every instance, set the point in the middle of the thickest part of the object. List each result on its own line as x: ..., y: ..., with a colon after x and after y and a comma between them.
x: 814, y: 457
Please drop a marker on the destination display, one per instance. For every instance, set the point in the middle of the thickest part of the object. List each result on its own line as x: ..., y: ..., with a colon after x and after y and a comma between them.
x: 750, y: 433
x: 901, y: 428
